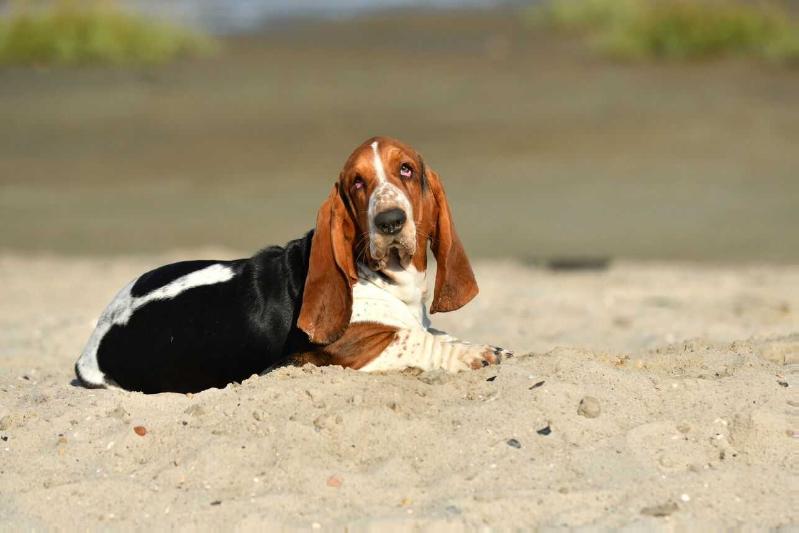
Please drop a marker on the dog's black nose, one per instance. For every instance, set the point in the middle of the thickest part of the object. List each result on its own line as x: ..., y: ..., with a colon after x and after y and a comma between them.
x: 390, y: 222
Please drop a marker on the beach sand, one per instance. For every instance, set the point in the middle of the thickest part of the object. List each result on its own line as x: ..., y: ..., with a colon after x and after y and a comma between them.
x: 646, y: 396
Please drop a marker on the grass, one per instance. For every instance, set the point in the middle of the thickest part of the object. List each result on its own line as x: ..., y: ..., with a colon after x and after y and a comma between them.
x: 678, y: 29
x: 74, y: 32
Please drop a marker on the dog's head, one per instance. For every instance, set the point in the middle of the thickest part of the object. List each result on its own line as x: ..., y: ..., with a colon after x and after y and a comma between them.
x: 383, y: 210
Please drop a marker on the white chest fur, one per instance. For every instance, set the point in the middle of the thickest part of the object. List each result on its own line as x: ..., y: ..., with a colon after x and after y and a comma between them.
x: 399, y: 302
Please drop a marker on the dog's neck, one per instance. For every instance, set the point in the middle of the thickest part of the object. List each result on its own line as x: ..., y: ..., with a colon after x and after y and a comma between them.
x: 407, y: 285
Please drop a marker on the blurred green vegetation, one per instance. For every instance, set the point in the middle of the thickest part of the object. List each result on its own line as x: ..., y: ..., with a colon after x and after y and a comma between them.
x: 75, y: 32
x: 677, y: 29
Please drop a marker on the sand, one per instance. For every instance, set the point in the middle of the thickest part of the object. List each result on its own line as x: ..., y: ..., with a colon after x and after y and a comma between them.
x: 648, y: 396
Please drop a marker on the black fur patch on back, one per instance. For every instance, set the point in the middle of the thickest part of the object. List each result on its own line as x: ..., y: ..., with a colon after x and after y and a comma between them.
x: 211, y: 335
x: 155, y: 279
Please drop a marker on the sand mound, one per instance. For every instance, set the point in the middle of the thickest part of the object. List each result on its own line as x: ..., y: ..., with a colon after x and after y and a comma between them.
x: 668, y: 419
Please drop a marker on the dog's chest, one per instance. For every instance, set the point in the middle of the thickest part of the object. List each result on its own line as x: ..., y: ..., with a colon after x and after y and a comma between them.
x: 394, y: 304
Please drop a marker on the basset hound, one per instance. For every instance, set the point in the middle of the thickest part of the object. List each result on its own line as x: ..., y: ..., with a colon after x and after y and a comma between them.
x: 351, y: 292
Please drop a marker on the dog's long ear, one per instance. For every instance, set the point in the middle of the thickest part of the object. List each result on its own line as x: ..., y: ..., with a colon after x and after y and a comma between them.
x: 455, y: 283
x: 327, y: 298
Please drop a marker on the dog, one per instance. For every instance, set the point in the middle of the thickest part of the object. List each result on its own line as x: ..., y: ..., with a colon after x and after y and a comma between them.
x: 351, y: 292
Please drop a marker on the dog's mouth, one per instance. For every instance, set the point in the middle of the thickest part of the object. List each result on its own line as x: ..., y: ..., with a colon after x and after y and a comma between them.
x: 395, y: 256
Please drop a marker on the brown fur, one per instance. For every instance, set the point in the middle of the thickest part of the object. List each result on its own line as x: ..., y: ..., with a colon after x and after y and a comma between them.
x: 360, y: 344
x: 455, y: 283
x: 327, y: 298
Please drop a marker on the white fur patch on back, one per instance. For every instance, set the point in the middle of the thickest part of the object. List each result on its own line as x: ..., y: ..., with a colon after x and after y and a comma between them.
x: 209, y: 275
x: 124, y: 304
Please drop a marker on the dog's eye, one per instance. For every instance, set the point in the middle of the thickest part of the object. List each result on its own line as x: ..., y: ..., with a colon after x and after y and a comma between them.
x: 406, y: 171
x: 358, y: 183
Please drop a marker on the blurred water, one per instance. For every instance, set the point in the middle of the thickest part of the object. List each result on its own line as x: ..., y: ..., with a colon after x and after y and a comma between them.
x: 243, y: 16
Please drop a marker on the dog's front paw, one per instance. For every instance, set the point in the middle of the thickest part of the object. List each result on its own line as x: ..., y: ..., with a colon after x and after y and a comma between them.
x: 501, y: 353
x: 483, y: 355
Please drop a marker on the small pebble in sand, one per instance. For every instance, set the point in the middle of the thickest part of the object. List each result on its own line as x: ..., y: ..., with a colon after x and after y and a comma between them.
x: 140, y: 430
x: 589, y: 407
x: 664, y: 509
x: 61, y: 445
x: 685, y: 498
x: 334, y: 481
x: 536, y: 385
x: 513, y: 443
x: 545, y: 430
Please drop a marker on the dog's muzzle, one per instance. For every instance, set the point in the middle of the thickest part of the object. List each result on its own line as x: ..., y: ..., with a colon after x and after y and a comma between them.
x: 393, y: 237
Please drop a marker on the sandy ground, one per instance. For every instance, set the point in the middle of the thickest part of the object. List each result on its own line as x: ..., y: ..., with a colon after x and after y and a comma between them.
x: 647, y: 396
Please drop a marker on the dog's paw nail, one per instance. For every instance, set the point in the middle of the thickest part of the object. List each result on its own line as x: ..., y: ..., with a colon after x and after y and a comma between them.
x: 501, y: 352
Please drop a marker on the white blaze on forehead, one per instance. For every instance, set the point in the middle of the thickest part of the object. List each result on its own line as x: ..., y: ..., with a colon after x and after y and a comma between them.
x: 378, y: 164
x: 386, y: 196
